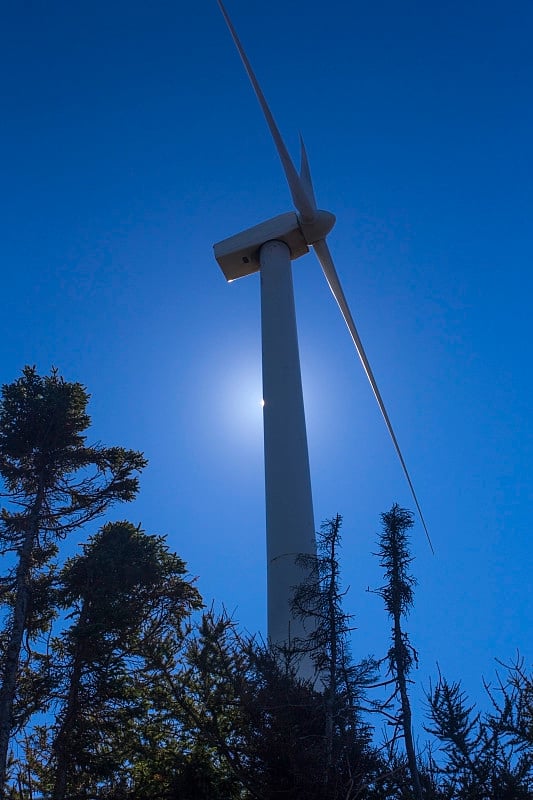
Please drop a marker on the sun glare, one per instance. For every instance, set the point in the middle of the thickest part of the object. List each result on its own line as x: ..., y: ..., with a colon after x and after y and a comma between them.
x: 239, y: 414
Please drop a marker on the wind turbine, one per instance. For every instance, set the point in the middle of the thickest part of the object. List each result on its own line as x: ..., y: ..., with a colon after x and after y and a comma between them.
x: 269, y: 248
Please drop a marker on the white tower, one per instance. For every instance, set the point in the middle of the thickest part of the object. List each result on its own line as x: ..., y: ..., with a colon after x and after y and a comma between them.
x: 290, y: 524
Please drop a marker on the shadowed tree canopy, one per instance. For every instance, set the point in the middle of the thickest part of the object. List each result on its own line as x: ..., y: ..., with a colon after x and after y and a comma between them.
x: 53, y: 482
x: 128, y: 591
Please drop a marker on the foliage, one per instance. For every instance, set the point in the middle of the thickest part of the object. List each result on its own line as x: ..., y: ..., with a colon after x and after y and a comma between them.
x: 112, y: 689
x: 487, y: 756
x: 127, y: 592
x: 398, y: 596
x: 342, y: 682
x: 54, y: 483
x: 266, y: 726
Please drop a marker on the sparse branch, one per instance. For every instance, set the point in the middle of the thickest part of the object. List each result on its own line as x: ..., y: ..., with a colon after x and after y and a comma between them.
x: 398, y: 596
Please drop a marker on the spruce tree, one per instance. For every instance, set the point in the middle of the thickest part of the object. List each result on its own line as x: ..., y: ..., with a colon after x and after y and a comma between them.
x: 53, y: 483
x: 128, y: 592
x: 398, y: 595
x: 341, y: 682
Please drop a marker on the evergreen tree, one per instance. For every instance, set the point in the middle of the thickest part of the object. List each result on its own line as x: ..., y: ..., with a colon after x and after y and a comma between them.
x: 485, y: 756
x: 53, y: 484
x: 512, y: 701
x: 262, y: 726
x: 128, y: 593
x: 398, y: 596
x: 207, y: 698
x: 342, y: 682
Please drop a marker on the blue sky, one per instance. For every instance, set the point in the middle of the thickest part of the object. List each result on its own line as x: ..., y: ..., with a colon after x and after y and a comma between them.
x: 131, y: 142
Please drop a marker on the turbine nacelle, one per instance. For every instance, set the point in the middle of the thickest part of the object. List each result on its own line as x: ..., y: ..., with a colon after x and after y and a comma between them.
x: 238, y: 255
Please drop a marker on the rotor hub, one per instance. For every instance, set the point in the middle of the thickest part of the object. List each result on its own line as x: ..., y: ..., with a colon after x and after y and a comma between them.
x: 318, y: 228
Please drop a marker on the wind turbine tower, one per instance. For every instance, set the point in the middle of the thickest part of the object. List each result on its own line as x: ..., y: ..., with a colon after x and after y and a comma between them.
x: 269, y: 248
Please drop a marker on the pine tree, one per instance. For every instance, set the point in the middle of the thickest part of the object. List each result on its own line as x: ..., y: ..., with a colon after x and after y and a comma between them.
x: 262, y: 727
x: 484, y: 756
x: 128, y: 593
x: 398, y: 596
x: 53, y: 484
x: 341, y: 681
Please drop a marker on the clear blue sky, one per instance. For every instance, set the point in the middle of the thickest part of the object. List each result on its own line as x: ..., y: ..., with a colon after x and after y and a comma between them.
x: 131, y: 142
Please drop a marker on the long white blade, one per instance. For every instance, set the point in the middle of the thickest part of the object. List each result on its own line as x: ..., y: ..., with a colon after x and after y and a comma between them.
x: 299, y: 197
x: 324, y: 256
x: 305, y: 174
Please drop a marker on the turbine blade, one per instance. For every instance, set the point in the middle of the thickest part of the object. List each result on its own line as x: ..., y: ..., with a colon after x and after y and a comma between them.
x: 305, y: 174
x: 299, y: 196
x: 326, y: 261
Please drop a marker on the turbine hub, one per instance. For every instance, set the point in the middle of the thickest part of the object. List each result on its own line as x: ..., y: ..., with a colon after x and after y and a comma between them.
x: 318, y: 228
